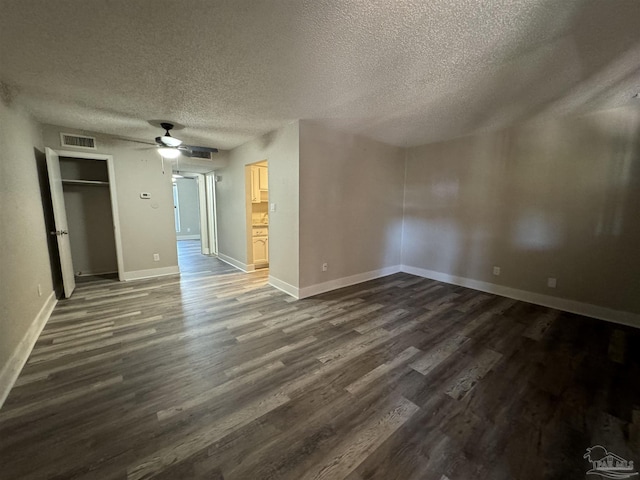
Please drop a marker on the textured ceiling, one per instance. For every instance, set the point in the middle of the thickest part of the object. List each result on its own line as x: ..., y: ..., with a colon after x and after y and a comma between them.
x: 403, y: 72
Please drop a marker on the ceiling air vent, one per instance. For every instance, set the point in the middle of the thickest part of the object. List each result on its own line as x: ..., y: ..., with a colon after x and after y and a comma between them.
x: 77, y: 141
x: 198, y: 154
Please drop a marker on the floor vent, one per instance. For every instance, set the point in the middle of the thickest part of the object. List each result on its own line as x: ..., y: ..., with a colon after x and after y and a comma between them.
x: 77, y: 141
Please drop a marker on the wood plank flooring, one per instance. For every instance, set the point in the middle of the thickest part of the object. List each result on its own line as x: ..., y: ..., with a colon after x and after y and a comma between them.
x: 216, y: 375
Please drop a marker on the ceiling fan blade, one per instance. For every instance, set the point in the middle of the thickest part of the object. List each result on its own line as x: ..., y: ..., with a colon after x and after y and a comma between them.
x: 167, y: 141
x: 201, y: 149
x: 136, y: 141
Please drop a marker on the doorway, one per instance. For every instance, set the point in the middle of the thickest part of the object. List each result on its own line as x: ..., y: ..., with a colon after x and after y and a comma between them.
x: 186, y: 206
x: 83, y: 195
x: 195, y: 210
x: 257, y: 195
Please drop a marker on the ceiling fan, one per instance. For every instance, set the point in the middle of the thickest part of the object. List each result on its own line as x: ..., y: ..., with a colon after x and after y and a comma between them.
x: 172, y: 147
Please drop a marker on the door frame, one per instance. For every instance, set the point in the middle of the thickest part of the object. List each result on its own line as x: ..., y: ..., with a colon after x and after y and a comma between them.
x: 212, y: 216
x: 251, y: 266
x: 202, y: 211
x: 112, y: 193
x: 207, y: 210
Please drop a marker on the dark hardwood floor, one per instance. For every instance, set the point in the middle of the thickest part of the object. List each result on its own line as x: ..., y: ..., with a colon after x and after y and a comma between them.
x: 217, y: 375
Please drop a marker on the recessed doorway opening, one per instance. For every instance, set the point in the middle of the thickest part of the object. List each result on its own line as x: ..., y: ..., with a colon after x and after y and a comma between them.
x: 195, y: 210
x: 257, y: 195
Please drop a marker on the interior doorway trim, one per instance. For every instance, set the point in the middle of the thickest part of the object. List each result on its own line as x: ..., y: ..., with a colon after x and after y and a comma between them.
x: 212, y: 217
x: 112, y: 194
x: 202, y: 206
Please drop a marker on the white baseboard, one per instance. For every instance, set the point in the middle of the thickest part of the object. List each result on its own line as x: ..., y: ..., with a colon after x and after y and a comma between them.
x: 188, y: 237
x: 573, y: 306
x: 10, y: 371
x: 284, y: 286
x: 236, y: 263
x: 151, y: 272
x: 346, y: 281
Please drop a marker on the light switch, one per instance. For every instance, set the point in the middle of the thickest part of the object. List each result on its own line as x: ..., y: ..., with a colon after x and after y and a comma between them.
x: 272, y: 207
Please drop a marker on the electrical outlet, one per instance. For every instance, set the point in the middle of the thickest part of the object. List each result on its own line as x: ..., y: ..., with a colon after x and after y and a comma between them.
x: 156, y: 257
x: 39, y: 290
x: 325, y: 267
x: 496, y: 271
x: 551, y: 282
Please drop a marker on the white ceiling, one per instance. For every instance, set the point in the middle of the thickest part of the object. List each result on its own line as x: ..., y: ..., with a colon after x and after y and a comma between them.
x: 403, y: 72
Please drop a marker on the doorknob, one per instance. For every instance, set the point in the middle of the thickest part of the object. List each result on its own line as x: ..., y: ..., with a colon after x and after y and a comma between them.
x: 59, y: 233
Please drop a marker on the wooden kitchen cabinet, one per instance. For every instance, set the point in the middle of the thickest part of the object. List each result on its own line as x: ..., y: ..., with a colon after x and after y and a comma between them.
x: 259, y: 184
x: 263, y: 179
x: 260, y: 250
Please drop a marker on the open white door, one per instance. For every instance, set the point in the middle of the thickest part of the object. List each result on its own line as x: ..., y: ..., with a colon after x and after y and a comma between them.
x: 60, y: 218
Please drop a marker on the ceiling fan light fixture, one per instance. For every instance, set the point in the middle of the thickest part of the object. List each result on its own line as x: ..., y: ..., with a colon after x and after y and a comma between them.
x: 169, y: 152
x: 170, y: 141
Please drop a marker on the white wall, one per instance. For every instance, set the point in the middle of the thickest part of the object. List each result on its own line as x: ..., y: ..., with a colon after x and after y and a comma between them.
x: 558, y: 199
x: 147, y: 226
x: 351, y: 193
x: 281, y: 149
x: 189, y: 207
x: 24, y: 257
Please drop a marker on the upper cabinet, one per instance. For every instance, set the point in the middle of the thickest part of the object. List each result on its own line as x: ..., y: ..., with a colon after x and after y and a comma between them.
x: 263, y: 180
x: 259, y: 184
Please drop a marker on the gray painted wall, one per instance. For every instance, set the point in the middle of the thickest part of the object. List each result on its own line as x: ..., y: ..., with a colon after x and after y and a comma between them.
x: 90, y: 221
x: 147, y: 226
x: 560, y: 198
x: 24, y: 257
x: 351, y: 191
x: 189, y: 208
x: 281, y: 149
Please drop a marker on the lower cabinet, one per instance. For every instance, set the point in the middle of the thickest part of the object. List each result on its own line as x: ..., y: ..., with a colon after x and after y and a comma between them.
x: 260, y: 250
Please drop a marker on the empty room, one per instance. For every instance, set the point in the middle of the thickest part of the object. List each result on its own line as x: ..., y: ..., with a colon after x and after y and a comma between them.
x: 335, y: 239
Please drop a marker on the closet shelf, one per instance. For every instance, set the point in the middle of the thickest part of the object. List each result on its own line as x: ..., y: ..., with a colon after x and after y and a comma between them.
x: 84, y: 182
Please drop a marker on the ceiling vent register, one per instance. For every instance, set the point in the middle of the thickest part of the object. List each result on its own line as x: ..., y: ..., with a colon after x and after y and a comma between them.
x: 199, y: 154
x: 77, y: 141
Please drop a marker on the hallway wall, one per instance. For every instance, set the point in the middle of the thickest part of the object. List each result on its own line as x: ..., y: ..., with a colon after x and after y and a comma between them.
x: 189, y: 207
x: 24, y: 255
x: 281, y: 149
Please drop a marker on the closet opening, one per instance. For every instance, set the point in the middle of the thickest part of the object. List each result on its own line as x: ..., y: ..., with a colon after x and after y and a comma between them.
x: 88, y: 204
x: 85, y: 213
